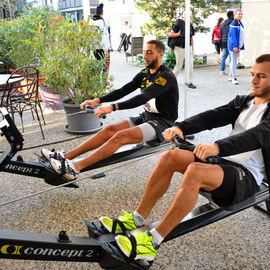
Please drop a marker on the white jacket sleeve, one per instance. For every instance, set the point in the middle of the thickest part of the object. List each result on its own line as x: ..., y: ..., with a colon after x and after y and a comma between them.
x: 105, y: 38
x: 105, y: 44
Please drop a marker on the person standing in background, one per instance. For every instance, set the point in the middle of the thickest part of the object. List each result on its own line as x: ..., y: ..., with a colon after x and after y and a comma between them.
x: 235, y: 43
x: 129, y: 35
x: 178, y: 31
x: 216, y: 39
x: 98, y: 21
x: 224, y: 31
x: 123, y: 36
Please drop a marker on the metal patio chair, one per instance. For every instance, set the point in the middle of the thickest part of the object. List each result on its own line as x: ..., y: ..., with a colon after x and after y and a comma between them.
x: 22, y: 96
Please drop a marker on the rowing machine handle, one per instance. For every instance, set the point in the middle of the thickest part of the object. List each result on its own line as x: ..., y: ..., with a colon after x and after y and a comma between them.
x: 182, y: 144
x: 88, y: 108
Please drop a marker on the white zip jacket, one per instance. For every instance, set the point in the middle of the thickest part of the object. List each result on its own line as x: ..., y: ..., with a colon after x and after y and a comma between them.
x: 101, y: 25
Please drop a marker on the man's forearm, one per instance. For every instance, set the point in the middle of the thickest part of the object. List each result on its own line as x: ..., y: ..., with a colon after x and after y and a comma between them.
x: 119, y: 93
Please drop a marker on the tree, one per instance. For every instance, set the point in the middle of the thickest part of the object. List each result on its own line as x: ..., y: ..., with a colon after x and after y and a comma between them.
x: 163, y: 13
x: 14, y: 7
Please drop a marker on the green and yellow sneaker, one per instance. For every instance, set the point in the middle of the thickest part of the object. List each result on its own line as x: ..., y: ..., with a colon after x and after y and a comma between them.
x: 144, y: 248
x: 113, y: 224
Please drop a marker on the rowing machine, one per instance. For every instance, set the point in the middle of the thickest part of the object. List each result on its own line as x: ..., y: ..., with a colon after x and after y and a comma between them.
x: 43, y: 169
x: 100, y: 246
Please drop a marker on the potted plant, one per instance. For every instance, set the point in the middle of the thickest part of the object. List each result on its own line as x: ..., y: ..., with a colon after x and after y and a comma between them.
x: 24, y: 39
x: 71, y: 69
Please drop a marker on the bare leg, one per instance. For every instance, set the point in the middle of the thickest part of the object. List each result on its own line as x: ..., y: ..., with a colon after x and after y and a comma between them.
x: 122, y: 137
x: 198, y: 175
x: 97, y: 140
x: 160, y: 178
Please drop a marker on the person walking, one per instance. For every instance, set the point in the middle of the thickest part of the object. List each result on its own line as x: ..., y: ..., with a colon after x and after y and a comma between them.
x: 178, y: 32
x: 235, y: 43
x: 102, y: 50
x: 124, y: 37
x: 216, y: 39
x: 224, y: 31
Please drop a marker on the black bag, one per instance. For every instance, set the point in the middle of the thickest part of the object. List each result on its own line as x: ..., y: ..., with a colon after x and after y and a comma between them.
x: 171, y: 42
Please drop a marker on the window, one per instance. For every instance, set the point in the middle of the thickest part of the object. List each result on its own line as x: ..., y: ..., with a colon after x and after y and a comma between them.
x: 94, y: 2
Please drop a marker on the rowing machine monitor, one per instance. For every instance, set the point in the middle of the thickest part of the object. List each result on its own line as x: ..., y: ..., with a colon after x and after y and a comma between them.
x: 10, y: 131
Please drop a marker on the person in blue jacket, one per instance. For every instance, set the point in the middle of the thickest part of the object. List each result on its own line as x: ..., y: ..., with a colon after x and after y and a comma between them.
x: 235, y: 43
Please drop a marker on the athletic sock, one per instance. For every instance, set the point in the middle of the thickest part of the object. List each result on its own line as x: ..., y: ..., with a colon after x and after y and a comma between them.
x: 157, y: 238
x: 138, y: 219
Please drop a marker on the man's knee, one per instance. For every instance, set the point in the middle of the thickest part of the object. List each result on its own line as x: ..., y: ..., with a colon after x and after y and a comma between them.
x: 120, y: 137
x: 195, y: 173
x: 171, y: 158
x: 109, y: 130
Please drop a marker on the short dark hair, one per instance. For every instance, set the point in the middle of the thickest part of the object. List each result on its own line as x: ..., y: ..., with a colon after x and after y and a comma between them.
x: 263, y: 58
x: 99, y: 9
x: 230, y: 14
x: 159, y: 45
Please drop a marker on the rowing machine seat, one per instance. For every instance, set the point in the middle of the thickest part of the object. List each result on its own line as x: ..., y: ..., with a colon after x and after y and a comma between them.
x: 153, y: 143
x: 249, y: 201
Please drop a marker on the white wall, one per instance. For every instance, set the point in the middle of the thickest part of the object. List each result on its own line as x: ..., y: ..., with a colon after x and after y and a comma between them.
x: 256, y: 20
x: 203, y: 41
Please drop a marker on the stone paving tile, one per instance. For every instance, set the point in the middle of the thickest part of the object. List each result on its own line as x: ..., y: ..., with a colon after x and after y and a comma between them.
x: 238, y: 242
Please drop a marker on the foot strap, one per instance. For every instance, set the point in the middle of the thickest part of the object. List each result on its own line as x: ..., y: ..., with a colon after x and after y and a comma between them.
x: 63, y: 166
x: 120, y: 223
x: 133, y: 242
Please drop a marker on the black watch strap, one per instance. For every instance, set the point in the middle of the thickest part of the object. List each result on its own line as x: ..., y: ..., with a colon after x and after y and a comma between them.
x: 114, y: 107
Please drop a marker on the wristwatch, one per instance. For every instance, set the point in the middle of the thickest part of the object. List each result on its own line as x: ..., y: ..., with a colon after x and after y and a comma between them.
x: 113, y: 107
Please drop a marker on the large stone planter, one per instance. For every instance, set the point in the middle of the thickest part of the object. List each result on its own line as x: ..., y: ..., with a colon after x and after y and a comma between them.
x: 50, y: 100
x: 79, y: 121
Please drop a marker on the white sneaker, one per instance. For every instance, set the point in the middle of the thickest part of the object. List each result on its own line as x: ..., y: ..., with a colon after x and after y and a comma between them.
x: 69, y: 171
x: 222, y: 72
x: 53, y: 154
x: 234, y: 81
x: 229, y: 79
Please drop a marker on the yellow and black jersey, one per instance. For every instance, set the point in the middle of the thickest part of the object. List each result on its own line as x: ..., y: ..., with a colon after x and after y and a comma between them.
x: 159, y: 93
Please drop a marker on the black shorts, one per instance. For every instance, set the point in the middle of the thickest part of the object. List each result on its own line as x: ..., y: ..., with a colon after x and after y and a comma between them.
x: 218, y: 45
x: 158, y: 123
x: 238, y: 184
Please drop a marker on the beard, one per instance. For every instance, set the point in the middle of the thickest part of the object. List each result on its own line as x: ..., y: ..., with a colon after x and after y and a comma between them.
x: 153, y: 63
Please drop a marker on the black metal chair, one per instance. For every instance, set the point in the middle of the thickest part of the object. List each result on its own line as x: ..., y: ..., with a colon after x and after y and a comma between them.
x: 35, y: 62
x: 21, y: 94
x: 136, y: 47
x: 3, y: 65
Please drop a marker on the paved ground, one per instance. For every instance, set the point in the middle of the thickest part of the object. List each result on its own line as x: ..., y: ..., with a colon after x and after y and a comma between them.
x: 238, y: 242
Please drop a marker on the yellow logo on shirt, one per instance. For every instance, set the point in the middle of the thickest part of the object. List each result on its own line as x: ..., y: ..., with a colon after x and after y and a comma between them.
x: 161, y: 81
x: 145, y: 84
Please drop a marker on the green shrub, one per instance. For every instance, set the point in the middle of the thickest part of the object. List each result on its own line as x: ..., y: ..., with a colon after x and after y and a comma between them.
x: 69, y: 64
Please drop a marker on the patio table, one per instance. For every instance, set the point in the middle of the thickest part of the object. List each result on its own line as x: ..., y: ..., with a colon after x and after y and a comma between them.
x: 4, y: 78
